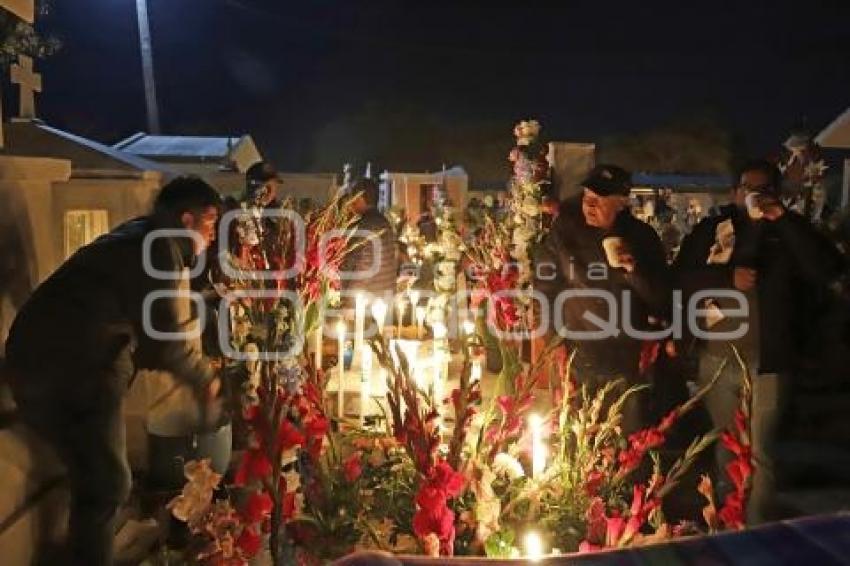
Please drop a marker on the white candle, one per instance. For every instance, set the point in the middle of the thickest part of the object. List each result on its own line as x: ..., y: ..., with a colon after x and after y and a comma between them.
x: 413, y: 294
x: 365, y: 377
x: 400, y: 306
x: 538, y: 449
x: 440, y: 359
x: 469, y: 327
x: 340, y: 368
x: 359, y: 321
x: 420, y: 320
x: 475, y: 372
x: 533, y: 546
x: 379, y: 313
x: 318, y: 353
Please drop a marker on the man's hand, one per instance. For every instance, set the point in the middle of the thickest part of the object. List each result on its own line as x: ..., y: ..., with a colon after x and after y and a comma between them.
x: 744, y: 278
x: 627, y: 261
x: 770, y: 207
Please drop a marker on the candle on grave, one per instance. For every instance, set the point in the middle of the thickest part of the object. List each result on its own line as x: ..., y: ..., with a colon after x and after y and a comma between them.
x: 413, y: 295
x: 318, y: 353
x: 340, y: 368
x: 538, y: 448
x: 379, y: 313
x: 400, y: 306
x: 533, y: 544
x: 420, y: 320
x: 365, y: 378
x: 359, y: 321
x: 468, y: 327
x: 475, y: 372
x: 439, y: 359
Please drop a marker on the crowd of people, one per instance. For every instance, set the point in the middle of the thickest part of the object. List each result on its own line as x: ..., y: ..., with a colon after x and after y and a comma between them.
x: 751, y: 265
x: 759, y: 274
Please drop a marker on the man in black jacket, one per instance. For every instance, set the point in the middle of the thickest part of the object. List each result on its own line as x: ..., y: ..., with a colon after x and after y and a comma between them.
x: 373, y: 261
x: 608, y: 266
x: 83, y: 333
x: 783, y: 268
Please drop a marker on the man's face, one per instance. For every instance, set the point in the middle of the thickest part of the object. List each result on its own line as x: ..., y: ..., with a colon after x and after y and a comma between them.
x: 600, y: 211
x: 204, y: 224
x: 750, y: 181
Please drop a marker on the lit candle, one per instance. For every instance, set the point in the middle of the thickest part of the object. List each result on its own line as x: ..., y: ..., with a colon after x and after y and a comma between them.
x: 475, y: 372
x: 413, y: 294
x: 365, y: 377
x: 379, y: 313
x: 469, y: 327
x: 533, y: 546
x: 359, y: 321
x: 400, y: 307
x: 538, y: 449
x: 440, y: 359
x: 340, y: 333
x: 318, y: 353
x: 420, y: 320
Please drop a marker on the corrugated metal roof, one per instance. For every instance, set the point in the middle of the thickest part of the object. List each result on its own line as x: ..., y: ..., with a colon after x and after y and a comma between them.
x: 199, y: 147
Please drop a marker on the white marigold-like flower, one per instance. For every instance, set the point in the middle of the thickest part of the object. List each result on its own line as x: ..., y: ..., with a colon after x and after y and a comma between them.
x: 489, y: 201
x: 507, y: 465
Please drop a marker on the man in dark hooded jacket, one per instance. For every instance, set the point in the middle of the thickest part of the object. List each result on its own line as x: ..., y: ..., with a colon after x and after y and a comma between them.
x: 782, y: 267
x: 606, y: 265
x: 76, y: 343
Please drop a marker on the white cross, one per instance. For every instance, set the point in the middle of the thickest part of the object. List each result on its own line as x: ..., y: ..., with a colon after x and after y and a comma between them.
x: 29, y: 82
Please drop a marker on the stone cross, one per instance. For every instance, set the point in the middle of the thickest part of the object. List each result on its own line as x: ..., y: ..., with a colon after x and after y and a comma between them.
x: 29, y: 82
x: 24, y: 9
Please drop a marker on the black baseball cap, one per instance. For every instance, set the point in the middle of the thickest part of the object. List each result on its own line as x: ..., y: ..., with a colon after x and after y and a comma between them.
x: 606, y: 180
x: 260, y: 173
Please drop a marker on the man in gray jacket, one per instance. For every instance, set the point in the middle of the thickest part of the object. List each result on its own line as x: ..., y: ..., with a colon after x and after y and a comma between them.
x: 78, y: 340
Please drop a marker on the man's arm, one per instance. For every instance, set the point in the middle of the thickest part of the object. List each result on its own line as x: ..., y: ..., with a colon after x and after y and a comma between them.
x: 177, y: 356
x: 691, y: 272
x: 818, y: 260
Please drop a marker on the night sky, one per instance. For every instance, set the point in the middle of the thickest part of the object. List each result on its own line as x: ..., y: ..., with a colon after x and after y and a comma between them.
x: 414, y: 84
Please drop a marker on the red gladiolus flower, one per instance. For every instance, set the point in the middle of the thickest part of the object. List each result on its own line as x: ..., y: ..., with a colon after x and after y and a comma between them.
x: 433, y: 515
x: 254, y: 466
x: 249, y: 542
x: 288, y: 505
x: 258, y: 507
x: 732, y: 513
x: 352, y: 468
x: 615, y: 527
x: 648, y: 355
x: 593, y: 482
x: 289, y: 436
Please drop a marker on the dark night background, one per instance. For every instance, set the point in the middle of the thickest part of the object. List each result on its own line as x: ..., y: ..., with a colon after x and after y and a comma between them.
x: 415, y: 84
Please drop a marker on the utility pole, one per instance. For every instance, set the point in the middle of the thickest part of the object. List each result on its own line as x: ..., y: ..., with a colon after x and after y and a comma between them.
x: 147, y: 66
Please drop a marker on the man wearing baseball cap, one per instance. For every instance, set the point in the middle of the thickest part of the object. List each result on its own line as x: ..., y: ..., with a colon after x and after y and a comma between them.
x: 261, y: 183
x: 606, y: 265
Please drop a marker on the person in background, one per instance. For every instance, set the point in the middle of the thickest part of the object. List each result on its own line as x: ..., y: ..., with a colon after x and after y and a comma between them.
x: 782, y: 266
x: 373, y: 262
x: 596, y: 244
x: 79, y: 339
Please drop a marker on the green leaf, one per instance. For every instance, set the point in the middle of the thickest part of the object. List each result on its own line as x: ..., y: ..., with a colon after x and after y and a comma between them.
x: 500, y: 544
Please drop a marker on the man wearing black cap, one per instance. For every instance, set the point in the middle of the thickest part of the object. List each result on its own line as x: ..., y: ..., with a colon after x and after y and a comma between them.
x: 261, y: 184
x: 783, y: 267
x: 601, y: 260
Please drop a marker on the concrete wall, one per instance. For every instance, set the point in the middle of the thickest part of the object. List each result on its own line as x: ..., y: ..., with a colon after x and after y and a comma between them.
x: 406, y: 190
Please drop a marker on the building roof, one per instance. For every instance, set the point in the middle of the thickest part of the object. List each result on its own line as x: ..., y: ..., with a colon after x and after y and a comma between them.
x: 34, y: 138
x: 695, y: 181
x: 837, y: 134
x: 240, y: 151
